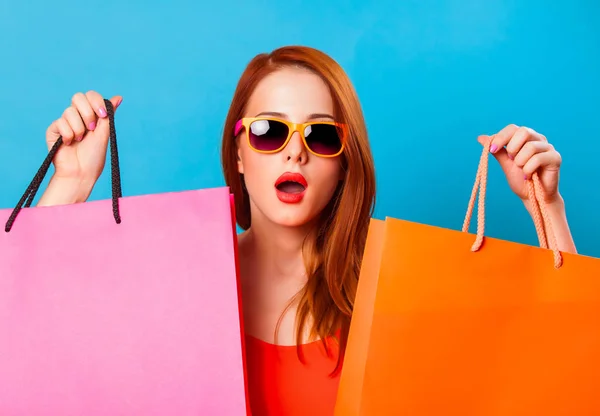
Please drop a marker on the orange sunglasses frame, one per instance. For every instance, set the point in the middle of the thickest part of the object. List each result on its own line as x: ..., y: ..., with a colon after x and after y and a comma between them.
x: 292, y: 127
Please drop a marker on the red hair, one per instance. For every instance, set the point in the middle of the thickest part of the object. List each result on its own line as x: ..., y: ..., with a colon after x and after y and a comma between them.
x: 333, y: 259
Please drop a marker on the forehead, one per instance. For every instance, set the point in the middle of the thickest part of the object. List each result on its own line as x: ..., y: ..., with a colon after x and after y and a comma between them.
x: 294, y: 92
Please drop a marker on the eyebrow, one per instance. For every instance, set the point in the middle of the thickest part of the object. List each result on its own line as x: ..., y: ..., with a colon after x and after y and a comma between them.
x: 283, y: 115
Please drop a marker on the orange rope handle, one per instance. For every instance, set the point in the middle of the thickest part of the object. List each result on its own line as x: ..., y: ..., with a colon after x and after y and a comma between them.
x: 541, y: 219
x: 541, y: 198
x: 538, y: 222
x: 481, y: 186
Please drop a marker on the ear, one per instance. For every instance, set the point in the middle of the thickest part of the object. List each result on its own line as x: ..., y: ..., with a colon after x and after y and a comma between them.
x: 239, y: 161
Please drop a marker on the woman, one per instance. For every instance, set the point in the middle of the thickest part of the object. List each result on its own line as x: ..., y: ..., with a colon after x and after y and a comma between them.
x: 304, y: 195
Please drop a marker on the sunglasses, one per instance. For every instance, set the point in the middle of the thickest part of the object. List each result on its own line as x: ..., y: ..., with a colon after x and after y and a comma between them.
x: 271, y: 135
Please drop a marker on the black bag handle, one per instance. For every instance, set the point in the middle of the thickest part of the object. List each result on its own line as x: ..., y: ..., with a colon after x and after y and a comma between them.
x: 33, y: 187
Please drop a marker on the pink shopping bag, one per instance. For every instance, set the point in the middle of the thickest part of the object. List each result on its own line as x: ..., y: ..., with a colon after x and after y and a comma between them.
x: 122, y: 307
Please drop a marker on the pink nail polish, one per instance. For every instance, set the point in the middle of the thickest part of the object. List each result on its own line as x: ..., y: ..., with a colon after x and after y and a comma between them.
x: 92, y: 125
x: 493, y: 148
x: 102, y: 112
x: 79, y: 138
x: 511, y: 157
x: 526, y: 177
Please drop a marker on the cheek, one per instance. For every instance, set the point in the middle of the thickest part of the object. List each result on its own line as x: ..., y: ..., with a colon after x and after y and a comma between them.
x: 247, y: 159
x: 329, y: 174
x: 256, y: 169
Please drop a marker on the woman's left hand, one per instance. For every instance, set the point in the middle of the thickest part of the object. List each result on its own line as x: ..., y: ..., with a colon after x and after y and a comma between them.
x: 522, y: 151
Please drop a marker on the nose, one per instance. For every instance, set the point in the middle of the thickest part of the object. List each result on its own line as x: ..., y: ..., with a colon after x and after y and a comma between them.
x: 295, y: 151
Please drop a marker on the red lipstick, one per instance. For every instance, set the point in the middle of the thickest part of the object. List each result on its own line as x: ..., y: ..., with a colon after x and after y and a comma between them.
x: 290, y: 187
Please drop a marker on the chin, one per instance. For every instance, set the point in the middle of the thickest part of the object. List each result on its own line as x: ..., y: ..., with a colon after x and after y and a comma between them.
x: 292, y: 218
x: 288, y: 214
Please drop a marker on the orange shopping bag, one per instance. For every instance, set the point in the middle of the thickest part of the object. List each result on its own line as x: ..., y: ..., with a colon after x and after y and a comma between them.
x: 446, y: 326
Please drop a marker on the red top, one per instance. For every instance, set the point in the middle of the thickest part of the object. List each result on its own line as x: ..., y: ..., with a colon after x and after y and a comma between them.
x: 280, y: 384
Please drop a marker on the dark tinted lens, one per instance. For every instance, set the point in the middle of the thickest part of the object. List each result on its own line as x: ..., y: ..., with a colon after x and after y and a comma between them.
x: 323, y: 139
x: 267, y: 135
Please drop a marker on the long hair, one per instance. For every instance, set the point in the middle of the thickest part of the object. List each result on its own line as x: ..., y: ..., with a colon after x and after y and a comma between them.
x: 333, y: 258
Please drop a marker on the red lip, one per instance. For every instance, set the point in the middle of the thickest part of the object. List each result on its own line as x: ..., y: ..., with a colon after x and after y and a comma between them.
x: 291, y: 177
x: 287, y: 197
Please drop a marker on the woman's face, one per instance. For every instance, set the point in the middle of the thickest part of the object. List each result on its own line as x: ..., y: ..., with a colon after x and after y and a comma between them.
x: 299, y: 96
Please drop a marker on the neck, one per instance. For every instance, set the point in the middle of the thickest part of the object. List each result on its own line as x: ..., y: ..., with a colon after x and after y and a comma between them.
x: 275, y: 251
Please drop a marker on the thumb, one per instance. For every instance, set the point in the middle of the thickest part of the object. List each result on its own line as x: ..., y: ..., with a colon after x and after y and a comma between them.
x: 103, y: 126
x: 500, y: 154
x: 116, y: 101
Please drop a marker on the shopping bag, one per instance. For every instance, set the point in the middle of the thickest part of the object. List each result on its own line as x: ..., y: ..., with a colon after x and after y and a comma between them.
x: 448, y: 323
x: 127, y: 306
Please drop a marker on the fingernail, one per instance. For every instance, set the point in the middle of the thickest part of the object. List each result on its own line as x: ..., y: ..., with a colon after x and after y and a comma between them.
x: 511, y: 157
x: 92, y: 125
x: 79, y: 138
x: 493, y: 148
x: 119, y: 102
x: 526, y: 177
x: 102, y: 112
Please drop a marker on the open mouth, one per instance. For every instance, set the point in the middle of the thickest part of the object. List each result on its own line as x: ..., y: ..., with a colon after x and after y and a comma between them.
x: 290, y: 187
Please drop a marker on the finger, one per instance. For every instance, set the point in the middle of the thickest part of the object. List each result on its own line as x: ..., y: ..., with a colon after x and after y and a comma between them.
x: 522, y: 135
x: 103, y: 127
x: 503, y: 160
x: 530, y: 149
x: 52, y: 134
x: 116, y: 101
x: 502, y: 138
x: 483, y: 139
x: 547, y: 160
x: 97, y: 103
x: 65, y: 130
x: 500, y: 154
x: 84, y: 107
x: 73, y: 117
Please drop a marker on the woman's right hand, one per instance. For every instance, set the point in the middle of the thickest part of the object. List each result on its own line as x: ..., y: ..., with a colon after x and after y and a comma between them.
x: 79, y: 162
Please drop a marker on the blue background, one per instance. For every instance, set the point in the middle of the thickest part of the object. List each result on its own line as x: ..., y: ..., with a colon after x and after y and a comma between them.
x: 431, y: 76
